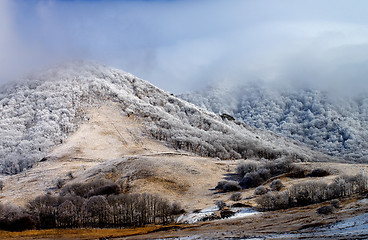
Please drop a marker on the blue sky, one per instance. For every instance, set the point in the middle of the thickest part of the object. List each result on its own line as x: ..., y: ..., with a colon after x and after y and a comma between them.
x: 187, y: 45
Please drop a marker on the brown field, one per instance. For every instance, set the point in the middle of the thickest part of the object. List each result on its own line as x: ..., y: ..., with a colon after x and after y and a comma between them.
x: 87, y: 233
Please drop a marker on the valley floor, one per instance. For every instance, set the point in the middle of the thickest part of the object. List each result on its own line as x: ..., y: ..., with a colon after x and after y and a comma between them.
x: 348, y: 222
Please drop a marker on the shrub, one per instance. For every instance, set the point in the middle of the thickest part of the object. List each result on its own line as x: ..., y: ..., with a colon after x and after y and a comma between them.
x: 256, y: 174
x: 211, y: 217
x: 307, y: 193
x: 226, y: 213
x: 86, y: 189
x: 338, y: 188
x: 359, y: 183
x: 228, y: 186
x: 60, y: 183
x: 105, y: 190
x: 240, y: 205
x: 298, y: 172
x: 70, y: 175
x: 325, y: 210
x: 264, y: 173
x: 261, y: 190
x: 335, y: 203
x: 220, y: 204
x: 252, y: 179
x: 266, y: 201
x: 236, y: 197
x: 279, y: 166
x: 244, y: 168
x: 231, y: 187
x: 319, y: 172
x: 273, y: 201
x: 176, y: 209
x: 23, y: 223
x: 281, y: 200
x: 220, y: 185
x: 276, y: 185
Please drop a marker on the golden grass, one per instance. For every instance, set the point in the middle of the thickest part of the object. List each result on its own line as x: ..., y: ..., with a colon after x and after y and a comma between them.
x: 84, y: 233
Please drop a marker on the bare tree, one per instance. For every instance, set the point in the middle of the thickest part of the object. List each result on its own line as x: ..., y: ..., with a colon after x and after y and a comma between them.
x: 98, y: 211
x: 67, y: 214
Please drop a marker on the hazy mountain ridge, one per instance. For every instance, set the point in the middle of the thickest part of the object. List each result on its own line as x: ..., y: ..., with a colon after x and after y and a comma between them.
x: 336, y: 126
x: 38, y: 113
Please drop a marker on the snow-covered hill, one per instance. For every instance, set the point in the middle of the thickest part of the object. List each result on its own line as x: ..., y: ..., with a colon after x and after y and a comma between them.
x: 335, y: 125
x: 38, y: 113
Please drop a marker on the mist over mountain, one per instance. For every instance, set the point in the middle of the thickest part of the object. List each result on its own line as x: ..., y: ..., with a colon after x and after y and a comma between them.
x: 39, y: 113
x: 334, y: 125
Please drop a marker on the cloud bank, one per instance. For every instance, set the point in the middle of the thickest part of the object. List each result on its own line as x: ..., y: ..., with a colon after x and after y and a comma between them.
x: 186, y: 45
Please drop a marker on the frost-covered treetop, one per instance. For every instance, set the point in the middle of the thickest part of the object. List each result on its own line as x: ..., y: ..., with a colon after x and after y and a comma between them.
x: 39, y: 112
x: 334, y: 125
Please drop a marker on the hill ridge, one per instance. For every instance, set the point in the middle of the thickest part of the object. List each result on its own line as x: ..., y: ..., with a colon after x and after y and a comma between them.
x: 40, y: 112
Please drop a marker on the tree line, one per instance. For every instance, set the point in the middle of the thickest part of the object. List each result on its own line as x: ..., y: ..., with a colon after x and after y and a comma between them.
x: 311, y: 192
x: 89, y: 205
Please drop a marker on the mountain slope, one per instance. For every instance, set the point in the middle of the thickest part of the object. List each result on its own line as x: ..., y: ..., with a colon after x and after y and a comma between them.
x: 336, y: 126
x: 39, y: 113
x: 110, y: 145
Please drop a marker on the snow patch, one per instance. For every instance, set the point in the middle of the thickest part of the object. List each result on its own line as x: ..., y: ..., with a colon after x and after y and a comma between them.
x: 197, y: 216
x: 358, y: 224
x: 211, y: 211
x: 363, y: 201
x: 242, y: 212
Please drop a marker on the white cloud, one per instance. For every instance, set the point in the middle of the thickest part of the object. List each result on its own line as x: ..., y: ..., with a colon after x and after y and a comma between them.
x: 8, y: 39
x: 184, y: 45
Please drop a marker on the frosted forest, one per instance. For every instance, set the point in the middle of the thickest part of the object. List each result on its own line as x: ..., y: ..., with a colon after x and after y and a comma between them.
x: 336, y: 125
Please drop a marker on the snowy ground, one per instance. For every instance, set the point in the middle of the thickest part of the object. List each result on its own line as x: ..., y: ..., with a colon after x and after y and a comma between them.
x: 352, y: 228
x: 207, y: 212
